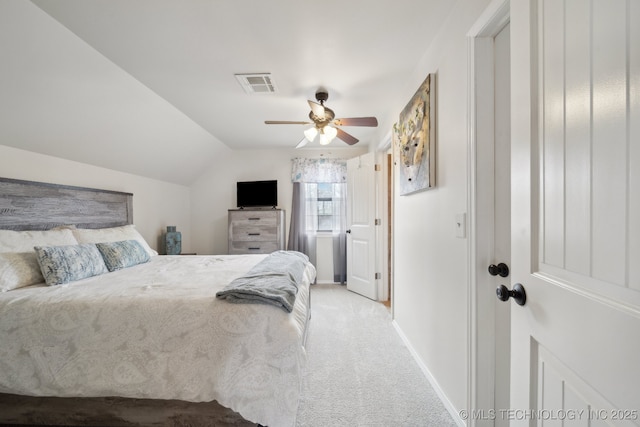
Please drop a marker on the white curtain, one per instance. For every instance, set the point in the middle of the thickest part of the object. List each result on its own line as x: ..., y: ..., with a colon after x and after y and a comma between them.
x: 305, y: 221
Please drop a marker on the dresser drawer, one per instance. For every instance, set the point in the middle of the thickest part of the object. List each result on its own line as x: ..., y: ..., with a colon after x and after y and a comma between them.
x: 254, y: 218
x: 250, y: 232
x: 237, y: 247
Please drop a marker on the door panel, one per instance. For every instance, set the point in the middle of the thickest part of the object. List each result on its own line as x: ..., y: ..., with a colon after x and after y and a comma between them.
x: 360, y: 263
x: 575, y: 217
x: 561, y: 388
x: 578, y: 152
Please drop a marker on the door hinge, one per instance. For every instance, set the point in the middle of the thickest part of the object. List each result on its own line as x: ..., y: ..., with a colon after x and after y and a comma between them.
x: 378, y: 221
x: 378, y: 276
x: 377, y: 168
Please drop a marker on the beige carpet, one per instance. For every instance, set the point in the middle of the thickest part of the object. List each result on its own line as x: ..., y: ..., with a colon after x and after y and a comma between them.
x: 359, y: 371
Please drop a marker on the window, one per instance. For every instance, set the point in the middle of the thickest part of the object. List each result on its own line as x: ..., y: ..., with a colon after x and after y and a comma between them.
x: 324, y: 206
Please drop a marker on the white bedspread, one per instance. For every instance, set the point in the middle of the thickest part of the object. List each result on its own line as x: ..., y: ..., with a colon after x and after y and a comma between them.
x: 157, y: 331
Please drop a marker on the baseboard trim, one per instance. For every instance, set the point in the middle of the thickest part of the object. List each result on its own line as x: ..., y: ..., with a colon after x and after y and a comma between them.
x: 443, y: 397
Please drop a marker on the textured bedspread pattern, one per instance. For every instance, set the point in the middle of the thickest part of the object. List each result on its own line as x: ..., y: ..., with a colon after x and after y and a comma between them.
x: 157, y: 330
x: 274, y: 280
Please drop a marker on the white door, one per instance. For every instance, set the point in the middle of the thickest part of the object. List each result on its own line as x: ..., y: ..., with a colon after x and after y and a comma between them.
x: 575, y: 352
x: 501, y: 216
x: 361, y: 238
x: 490, y: 215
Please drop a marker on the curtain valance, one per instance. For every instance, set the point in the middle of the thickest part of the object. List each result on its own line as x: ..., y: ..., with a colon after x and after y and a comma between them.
x: 318, y: 170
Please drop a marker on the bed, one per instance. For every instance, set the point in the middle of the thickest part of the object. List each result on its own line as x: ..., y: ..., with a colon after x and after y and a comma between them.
x: 153, y: 331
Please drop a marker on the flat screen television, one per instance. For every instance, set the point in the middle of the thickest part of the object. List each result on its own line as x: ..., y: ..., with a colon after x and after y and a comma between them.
x: 253, y: 194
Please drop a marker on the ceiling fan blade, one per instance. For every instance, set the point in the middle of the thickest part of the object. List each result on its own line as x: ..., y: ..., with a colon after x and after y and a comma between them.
x: 284, y: 122
x: 349, y: 139
x: 357, y: 121
x: 302, y: 143
x: 318, y: 110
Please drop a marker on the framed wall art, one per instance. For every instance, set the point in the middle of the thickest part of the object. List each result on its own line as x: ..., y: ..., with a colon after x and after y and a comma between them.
x: 414, y: 140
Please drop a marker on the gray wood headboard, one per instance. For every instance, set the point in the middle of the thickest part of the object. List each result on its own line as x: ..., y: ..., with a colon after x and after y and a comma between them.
x: 29, y: 205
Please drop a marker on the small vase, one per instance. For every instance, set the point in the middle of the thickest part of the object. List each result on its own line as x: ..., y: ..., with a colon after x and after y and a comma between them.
x: 173, y: 241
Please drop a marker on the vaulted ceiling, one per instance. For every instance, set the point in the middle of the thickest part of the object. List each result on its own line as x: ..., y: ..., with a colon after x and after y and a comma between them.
x: 141, y: 85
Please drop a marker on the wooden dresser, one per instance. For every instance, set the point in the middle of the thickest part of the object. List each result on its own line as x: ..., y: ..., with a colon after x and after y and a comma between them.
x: 256, y: 231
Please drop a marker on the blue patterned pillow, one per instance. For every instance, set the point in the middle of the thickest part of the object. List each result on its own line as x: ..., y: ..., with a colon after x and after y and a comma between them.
x: 64, y: 264
x: 127, y: 253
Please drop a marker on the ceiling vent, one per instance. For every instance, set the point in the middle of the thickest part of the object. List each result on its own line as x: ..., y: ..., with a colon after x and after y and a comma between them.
x: 256, y: 83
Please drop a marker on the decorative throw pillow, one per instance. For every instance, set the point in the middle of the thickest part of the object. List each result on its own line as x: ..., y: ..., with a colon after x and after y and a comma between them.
x: 18, y: 263
x: 112, y: 234
x: 119, y: 255
x: 64, y: 264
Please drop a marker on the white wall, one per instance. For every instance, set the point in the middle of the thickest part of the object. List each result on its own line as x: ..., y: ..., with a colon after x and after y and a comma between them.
x: 156, y: 204
x: 324, y: 258
x: 62, y: 97
x: 199, y: 212
x: 214, y: 193
x: 430, y: 276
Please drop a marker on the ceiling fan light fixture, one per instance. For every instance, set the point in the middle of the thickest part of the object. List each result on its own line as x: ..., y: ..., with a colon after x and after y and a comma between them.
x: 331, y: 132
x: 327, y: 134
x: 320, y: 117
x: 311, y: 133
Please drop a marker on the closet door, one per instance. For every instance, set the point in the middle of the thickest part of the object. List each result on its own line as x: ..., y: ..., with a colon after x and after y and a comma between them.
x: 575, y: 212
x: 361, y: 233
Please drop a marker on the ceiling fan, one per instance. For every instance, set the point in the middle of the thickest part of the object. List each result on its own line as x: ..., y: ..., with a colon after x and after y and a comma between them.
x: 325, y: 125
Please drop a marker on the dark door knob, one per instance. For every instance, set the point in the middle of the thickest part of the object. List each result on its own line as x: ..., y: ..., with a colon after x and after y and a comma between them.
x: 518, y: 294
x: 348, y: 231
x: 501, y: 270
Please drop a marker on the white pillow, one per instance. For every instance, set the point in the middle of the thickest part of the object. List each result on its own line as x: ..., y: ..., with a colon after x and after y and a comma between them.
x: 18, y: 263
x: 113, y: 234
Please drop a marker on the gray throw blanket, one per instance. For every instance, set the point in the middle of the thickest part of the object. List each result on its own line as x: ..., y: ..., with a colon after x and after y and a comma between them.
x: 274, y: 280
